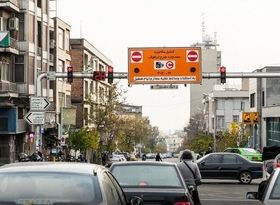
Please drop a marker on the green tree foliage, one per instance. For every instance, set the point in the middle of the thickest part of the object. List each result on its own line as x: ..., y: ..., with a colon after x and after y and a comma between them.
x: 200, y: 143
x: 133, y: 130
x: 83, y: 139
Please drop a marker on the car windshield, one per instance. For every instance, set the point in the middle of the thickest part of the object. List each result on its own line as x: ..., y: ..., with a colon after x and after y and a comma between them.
x: 51, y: 187
x: 147, y: 175
x: 250, y: 151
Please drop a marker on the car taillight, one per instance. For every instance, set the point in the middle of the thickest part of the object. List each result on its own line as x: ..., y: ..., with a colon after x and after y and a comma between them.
x: 182, y: 203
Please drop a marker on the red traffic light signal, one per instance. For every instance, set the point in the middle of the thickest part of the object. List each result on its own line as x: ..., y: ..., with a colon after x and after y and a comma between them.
x: 110, y: 74
x: 99, y: 75
x: 70, y: 74
x: 223, y: 74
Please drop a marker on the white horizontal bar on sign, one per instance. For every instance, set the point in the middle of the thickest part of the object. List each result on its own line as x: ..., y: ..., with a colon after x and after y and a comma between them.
x: 164, y: 78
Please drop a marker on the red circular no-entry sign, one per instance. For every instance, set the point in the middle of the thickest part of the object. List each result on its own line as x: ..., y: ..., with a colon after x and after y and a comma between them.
x: 136, y: 56
x: 192, y: 56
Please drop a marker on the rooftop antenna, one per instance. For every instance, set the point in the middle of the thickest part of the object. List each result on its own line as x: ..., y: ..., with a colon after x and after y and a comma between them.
x: 203, y: 26
x: 81, y: 28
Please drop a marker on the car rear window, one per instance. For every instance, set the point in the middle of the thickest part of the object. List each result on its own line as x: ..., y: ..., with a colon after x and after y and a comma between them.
x: 51, y: 187
x: 250, y: 151
x: 147, y: 175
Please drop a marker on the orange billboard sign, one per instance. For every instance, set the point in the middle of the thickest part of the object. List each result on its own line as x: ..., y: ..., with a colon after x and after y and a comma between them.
x: 166, y: 65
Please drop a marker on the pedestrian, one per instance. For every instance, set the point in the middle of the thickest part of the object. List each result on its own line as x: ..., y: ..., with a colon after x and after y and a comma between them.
x: 191, y: 174
x: 158, y: 158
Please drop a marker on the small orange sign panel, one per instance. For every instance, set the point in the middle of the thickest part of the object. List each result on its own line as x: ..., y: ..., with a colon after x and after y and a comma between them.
x: 246, y: 118
x: 164, y: 65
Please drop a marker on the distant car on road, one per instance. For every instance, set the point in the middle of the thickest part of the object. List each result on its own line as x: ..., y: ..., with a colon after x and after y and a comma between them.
x: 229, y: 166
x: 271, y: 195
x: 249, y: 153
x: 60, y: 183
x: 157, y: 183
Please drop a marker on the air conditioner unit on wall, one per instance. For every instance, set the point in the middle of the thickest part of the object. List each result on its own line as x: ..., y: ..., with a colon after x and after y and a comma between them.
x: 13, y: 24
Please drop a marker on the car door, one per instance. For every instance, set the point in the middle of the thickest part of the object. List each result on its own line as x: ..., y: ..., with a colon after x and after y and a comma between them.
x: 209, y: 166
x: 230, y: 166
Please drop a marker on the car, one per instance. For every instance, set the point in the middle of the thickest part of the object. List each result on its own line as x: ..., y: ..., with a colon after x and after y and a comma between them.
x: 271, y: 194
x: 115, y: 158
x: 60, y: 183
x: 249, y: 153
x: 222, y: 165
x: 156, y: 182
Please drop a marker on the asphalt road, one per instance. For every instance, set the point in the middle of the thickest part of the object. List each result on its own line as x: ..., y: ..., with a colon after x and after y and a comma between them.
x: 225, y: 192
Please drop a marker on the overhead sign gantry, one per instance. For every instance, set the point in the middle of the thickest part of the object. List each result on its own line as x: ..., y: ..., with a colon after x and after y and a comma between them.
x: 164, y: 65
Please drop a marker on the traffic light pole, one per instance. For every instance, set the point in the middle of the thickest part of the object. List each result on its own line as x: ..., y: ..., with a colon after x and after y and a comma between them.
x: 51, y: 75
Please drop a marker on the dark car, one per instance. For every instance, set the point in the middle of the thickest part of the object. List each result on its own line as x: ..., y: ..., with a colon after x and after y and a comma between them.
x: 60, y: 183
x: 155, y: 182
x: 229, y: 166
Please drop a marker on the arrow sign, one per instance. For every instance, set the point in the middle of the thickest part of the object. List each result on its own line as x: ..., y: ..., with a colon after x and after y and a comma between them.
x: 35, y: 118
x: 39, y: 103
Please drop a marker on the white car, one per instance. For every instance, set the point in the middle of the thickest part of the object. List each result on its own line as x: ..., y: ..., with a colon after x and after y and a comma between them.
x: 271, y: 193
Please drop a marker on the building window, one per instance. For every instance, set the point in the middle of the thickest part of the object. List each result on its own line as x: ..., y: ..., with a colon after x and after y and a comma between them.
x: 86, y: 116
x: 252, y: 100
x: 263, y: 98
x: 220, y: 122
x: 61, y: 99
x: 67, y: 39
x: 86, y: 88
x: 61, y: 38
x: 101, y: 93
x: 20, y: 113
x: 39, y: 3
x: 21, y: 27
x: 19, y: 69
x: 273, y: 131
x: 68, y: 100
x: 220, y: 104
x: 4, y: 71
x: 235, y: 118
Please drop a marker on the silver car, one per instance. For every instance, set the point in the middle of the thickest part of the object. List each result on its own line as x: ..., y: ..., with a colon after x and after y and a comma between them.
x: 271, y: 194
x: 60, y: 183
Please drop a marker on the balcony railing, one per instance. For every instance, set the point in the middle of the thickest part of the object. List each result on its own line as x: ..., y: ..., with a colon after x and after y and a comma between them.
x: 14, y: 43
x: 8, y: 87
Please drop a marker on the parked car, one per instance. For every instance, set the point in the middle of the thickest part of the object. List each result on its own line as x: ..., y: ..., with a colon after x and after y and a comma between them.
x: 271, y: 195
x: 60, y: 183
x: 229, y: 166
x: 115, y: 158
x: 249, y: 153
x: 157, y: 183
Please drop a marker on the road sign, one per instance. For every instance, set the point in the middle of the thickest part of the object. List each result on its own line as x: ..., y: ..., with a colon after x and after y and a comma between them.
x: 39, y: 103
x: 35, y: 118
x: 192, y: 55
x: 136, y: 56
x: 167, y: 65
x: 158, y: 87
x: 246, y: 118
x: 255, y: 117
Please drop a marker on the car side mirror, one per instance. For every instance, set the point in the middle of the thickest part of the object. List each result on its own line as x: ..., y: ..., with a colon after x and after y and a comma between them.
x: 252, y: 195
x: 135, y: 200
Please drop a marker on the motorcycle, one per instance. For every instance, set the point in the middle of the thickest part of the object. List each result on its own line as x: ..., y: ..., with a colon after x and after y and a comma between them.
x: 35, y: 157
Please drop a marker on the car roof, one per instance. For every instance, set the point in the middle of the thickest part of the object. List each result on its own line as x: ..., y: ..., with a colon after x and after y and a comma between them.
x: 64, y: 167
x: 143, y: 163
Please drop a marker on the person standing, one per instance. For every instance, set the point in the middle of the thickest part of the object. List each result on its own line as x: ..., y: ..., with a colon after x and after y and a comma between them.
x: 191, y: 174
x: 158, y: 158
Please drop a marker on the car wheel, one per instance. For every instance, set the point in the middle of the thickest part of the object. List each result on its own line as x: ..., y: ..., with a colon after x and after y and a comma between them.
x: 245, y: 177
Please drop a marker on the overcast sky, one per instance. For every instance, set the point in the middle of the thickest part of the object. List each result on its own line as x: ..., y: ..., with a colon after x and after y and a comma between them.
x: 248, y: 33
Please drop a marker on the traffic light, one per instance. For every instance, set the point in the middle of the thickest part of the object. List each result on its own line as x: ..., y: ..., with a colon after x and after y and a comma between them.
x: 99, y: 75
x: 223, y: 74
x: 70, y: 74
x: 110, y: 74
